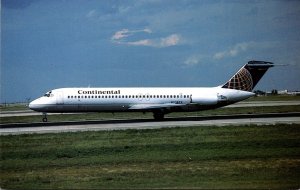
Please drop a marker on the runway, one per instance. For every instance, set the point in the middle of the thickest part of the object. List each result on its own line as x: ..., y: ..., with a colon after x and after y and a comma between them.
x: 263, y: 103
x: 259, y: 119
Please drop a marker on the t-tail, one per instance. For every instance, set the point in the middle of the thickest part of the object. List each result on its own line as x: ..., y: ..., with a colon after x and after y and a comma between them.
x: 248, y: 76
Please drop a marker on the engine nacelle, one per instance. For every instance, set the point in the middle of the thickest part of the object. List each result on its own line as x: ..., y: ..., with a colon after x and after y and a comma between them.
x: 205, y: 99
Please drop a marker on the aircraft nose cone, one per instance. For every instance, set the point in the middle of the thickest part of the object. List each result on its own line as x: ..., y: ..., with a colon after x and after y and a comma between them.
x: 32, y: 105
x: 35, y: 105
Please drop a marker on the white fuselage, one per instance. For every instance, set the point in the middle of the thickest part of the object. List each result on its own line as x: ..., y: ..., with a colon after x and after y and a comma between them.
x: 136, y: 99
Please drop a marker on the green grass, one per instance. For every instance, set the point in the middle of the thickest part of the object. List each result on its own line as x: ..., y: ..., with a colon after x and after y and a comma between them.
x: 14, y: 107
x: 239, y: 157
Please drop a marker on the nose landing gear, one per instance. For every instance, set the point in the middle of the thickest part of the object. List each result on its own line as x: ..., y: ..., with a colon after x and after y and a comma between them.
x: 45, y: 117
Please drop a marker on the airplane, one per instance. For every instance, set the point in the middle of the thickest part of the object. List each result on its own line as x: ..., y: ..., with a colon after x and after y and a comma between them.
x: 158, y: 100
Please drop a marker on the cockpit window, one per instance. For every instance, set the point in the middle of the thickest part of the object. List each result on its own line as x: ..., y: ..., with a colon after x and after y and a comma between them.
x: 48, y: 94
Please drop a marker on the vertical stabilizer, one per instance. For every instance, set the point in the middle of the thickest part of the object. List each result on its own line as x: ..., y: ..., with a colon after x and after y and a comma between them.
x: 248, y: 76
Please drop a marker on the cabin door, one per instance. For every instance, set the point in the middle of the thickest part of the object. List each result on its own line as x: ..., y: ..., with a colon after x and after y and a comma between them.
x: 60, y: 98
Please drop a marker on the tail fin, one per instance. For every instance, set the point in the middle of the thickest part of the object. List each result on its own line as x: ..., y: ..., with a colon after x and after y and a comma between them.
x: 248, y: 76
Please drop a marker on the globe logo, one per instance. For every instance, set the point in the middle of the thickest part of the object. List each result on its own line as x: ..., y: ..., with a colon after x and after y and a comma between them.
x: 241, y: 81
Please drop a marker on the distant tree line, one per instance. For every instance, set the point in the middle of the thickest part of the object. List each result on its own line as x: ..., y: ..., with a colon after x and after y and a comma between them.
x: 263, y: 93
x: 274, y: 92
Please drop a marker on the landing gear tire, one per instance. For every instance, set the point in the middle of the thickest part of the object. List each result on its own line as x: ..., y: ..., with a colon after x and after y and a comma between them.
x: 158, y: 116
x: 45, y: 117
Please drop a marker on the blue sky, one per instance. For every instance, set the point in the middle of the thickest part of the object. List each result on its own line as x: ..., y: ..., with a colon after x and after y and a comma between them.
x: 117, y: 43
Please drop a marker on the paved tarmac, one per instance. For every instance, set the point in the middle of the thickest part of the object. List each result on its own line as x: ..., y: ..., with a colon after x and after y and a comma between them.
x: 264, y: 103
x: 149, y: 124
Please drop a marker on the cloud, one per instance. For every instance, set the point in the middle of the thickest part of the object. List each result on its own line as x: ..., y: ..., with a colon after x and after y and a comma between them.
x: 171, y: 40
x: 124, y: 9
x: 192, y: 60
x: 124, y: 33
x: 145, y: 42
x: 121, y: 37
x: 120, y: 34
x: 91, y: 14
x: 234, y: 51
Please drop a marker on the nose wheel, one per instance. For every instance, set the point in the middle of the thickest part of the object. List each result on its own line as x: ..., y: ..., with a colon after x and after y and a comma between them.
x: 45, y: 117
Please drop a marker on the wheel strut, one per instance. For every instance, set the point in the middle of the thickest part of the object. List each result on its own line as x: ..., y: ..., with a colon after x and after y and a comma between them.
x: 45, y: 117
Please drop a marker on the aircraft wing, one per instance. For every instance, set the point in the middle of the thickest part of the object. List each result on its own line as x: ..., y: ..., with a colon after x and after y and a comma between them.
x: 153, y: 106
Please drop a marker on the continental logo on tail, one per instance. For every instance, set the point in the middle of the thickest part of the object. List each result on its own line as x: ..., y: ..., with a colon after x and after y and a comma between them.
x: 242, y: 80
x: 248, y: 76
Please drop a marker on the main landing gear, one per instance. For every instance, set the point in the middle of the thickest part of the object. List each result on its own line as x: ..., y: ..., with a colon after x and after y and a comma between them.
x: 45, y: 117
x: 158, y: 116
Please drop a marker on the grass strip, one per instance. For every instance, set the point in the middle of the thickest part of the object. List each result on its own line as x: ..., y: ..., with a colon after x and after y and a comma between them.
x: 239, y: 157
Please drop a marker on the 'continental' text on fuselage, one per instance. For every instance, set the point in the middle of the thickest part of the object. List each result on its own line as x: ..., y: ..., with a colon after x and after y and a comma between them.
x: 99, y: 92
